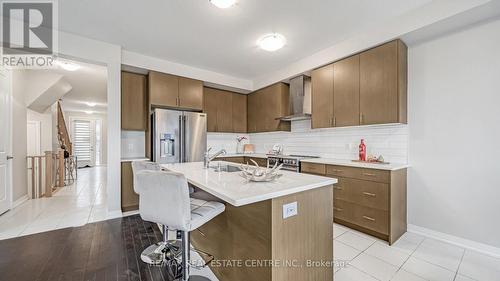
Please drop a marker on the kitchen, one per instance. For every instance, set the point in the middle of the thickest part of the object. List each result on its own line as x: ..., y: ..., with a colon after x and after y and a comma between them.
x: 182, y: 120
x: 357, y: 158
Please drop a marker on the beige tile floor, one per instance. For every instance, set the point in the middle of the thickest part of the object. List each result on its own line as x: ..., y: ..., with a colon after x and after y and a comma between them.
x: 362, y: 257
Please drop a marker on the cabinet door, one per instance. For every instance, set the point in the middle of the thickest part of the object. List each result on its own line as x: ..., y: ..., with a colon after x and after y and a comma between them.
x: 322, y: 97
x: 224, y: 111
x: 133, y: 103
x: 129, y: 199
x: 379, y: 85
x: 190, y: 93
x: 346, y: 92
x: 210, y: 108
x: 163, y: 89
x: 239, y: 113
x: 253, y: 109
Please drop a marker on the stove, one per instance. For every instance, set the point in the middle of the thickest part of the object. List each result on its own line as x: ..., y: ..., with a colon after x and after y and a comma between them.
x: 290, y: 162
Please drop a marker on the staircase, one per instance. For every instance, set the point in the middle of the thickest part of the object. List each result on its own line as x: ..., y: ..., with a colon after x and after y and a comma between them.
x: 62, y: 131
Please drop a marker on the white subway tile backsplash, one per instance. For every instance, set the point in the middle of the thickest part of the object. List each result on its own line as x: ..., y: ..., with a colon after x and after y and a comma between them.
x: 391, y: 141
x: 227, y: 141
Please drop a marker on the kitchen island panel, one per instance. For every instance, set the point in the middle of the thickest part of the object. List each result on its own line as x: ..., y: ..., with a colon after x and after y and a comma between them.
x: 253, y: 235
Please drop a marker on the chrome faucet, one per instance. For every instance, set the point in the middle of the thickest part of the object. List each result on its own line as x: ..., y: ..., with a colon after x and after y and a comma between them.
x: 207, y: 158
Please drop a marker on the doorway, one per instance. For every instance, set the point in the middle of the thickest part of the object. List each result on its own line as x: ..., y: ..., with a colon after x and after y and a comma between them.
x: 5, y: 145
x: 87, y: 141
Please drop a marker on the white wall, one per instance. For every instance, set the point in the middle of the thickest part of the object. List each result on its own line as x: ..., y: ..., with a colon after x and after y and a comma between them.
x: 45, y: 120
x: 340, y: 143
x: 19, y: 138
x: 454, y: 98
x: 71, y: 115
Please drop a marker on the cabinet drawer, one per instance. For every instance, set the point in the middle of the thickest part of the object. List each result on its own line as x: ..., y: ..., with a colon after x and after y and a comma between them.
x: 358, y: 173
x: 312, y: 168
x: 343, y: 210
x: 373, y: 219
x: 341, y: 189
x: 368, y: 193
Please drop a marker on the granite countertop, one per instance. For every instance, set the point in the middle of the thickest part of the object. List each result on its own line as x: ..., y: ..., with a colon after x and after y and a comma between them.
x: 237, y: 191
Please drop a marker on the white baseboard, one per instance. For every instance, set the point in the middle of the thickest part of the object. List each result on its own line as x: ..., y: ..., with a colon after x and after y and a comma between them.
x: 114, y: 214
x: 20, y: 201
x: 461, y: 242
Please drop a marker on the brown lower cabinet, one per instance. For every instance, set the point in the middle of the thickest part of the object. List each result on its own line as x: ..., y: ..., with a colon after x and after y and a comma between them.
x: 369, y: 200
x: 129, y: 199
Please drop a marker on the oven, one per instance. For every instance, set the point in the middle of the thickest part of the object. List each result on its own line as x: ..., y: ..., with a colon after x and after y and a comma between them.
x: 290, y: 163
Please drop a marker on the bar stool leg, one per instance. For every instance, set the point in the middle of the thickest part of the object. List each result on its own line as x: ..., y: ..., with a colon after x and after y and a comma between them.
x: 157, y: 253
x: 186, y: 251
x: 186, y: 258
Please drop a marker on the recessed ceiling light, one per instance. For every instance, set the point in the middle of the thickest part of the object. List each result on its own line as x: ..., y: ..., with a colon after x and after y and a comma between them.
x: 91, y: 104
x: 271, y: 42
x: 69, y: 66
x: 223, y: 4
x: 89, y: 112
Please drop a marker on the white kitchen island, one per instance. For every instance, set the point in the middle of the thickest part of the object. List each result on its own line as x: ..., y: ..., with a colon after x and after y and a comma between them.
x: 252, y: 239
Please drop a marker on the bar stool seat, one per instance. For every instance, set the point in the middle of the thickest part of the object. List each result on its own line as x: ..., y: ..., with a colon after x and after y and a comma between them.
x: 203, y: 211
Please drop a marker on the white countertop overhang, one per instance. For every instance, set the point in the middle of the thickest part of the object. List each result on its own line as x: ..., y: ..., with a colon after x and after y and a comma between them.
x: 237, y: 191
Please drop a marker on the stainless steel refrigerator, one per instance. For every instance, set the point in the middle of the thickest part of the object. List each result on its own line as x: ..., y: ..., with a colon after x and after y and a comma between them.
x: 178, y: 136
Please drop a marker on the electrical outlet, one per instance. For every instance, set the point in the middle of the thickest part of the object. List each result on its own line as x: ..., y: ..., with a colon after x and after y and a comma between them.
x: 130, y: 146
x: 290, y: 210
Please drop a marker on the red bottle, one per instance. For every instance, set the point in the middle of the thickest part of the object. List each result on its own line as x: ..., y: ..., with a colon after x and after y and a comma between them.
x: 362, y: 151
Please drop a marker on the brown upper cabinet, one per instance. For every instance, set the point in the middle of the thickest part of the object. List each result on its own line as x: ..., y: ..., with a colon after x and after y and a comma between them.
x: 265, y: 106
x: 226, y: 111
x: 133, y: 102
x: 367, y: 88
x: 322, y: 97
x: 167, y: 90
x: 383, y: 83
x: 239, y: 113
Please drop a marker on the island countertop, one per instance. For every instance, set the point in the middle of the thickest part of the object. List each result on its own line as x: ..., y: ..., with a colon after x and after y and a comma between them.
x: 237, y: 191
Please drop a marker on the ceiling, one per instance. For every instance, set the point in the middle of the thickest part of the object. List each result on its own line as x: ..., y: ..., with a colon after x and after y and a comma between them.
x: 88, y: 85
x: 196, y: 33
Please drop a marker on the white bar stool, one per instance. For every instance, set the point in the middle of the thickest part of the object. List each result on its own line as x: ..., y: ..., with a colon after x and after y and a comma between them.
x: 154, y: 254
x: 165, y: 199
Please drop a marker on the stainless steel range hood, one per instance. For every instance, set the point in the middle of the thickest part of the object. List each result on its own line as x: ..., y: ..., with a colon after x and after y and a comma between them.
x: 300, y: 99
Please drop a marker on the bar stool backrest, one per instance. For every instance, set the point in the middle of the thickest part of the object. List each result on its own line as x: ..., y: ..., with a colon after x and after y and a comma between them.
x: 164, y: 199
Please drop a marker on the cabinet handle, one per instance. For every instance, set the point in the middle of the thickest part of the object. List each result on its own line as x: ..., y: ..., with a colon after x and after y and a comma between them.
x: 369, y: 175
x: 338, y: 209
x: 361, y: 118
x: 368, y: 218
x: 331, y: 121
x: 337, y: 188
x: 334, y: 121
x: 370, y: 194
x: 337, y: 171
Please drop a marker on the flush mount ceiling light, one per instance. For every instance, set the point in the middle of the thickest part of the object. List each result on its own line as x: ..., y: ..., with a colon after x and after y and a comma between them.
x: 271, y: 42
x: 89, y: 112
x: 69, y: 66
x: 223, y: 4
x: 91, y: 104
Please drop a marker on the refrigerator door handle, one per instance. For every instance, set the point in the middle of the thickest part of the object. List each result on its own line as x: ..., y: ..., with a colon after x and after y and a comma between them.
x: 181, y: 140
x: 184, y: 156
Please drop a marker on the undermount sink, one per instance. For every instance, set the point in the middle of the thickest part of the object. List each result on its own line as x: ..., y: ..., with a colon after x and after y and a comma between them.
x: 226, y: 168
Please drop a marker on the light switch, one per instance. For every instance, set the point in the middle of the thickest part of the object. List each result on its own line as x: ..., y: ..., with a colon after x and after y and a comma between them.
x: 290, y: 210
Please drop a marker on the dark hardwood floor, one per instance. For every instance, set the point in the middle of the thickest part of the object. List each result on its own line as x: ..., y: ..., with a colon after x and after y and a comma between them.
x: 107, y: 250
